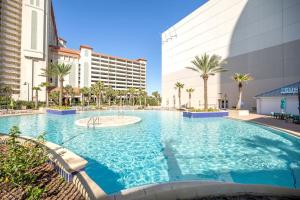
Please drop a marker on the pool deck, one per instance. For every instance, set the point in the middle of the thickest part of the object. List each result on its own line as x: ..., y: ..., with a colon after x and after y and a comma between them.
x: 279, y: 124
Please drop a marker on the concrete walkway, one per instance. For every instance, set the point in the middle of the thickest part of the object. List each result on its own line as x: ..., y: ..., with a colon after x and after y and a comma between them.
x: 270, y: 121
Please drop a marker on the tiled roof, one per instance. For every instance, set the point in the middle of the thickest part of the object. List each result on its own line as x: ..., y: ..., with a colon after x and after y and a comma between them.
x: 288, y: 90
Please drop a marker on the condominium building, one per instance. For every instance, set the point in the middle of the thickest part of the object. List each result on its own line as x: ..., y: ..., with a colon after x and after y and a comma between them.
x: 89, y: 67
x: 254, y: 36
x: 29, y: 42
x: 27, y: 28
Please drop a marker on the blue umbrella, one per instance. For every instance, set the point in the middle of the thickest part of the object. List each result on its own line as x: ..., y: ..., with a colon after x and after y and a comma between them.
x: 283, y: 104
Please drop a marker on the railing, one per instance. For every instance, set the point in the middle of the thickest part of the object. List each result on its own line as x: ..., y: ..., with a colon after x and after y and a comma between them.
x: 93, y: 121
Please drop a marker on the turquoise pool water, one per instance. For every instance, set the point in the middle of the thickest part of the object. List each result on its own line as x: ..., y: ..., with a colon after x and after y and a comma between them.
x: 167, y: 147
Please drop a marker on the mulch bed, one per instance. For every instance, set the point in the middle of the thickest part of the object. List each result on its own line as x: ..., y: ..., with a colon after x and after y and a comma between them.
x: 56, y: 187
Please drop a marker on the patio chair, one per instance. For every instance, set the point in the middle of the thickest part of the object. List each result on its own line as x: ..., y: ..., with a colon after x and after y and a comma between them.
x: 296, y: 119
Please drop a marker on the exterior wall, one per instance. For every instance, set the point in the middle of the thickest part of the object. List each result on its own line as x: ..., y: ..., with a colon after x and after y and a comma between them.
x: 266, y: 105
x: 37, y: 33
x: 119, y: 73
x: 85, y: 67
x: 257, y: 37
x: 10, y: 43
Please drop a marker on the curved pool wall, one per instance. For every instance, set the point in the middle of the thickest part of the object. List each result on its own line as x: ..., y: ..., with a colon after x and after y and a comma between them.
x: 166, y: 147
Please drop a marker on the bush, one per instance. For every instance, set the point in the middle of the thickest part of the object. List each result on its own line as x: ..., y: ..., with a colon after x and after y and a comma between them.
x: 18, y: 162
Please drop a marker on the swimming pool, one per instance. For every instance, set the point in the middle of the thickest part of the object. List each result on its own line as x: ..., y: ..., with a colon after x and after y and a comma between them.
x: 164, y: 147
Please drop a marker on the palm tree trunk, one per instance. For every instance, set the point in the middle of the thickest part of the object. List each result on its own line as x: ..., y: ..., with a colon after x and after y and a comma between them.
x: 205, y: 93
x: 145, y: 101
x: 36, y: 99
x: 190, y: 96
x: 238, y: 106
x: 47, y: 97
x: 99, y: 103
x: 61, y: 91
x: 109, y: 99
x: 179, y: 98
x: 140, y: 101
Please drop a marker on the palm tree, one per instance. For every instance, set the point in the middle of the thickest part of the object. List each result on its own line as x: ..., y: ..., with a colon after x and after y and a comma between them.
x: 240, y: 79
x: 207, y: 66
x: 36, y: 89
x: 179, y: 86
x: 190, y: 91
x: 131, y: 92
x: 70, y: 92
x: 60, y: 71
x: 109, y: 93
x: 156, y: 96
x: 84, y: 91
x: 98, y: 88
x: 145, y: 97
x: 47, y: 88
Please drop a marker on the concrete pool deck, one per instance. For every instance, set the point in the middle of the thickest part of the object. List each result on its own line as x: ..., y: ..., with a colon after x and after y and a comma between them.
x: 269, y: 121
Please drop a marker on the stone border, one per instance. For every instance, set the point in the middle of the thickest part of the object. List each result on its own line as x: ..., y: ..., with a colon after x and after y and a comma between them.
x: 200, y: 189
x: 70, y: 166
x: 131, y: 120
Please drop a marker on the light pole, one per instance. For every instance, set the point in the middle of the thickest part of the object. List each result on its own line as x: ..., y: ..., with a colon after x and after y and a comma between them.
x: 26, y: 83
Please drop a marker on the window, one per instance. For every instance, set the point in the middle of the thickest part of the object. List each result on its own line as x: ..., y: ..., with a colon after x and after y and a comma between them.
x: 37, y: 3
x: 86, y: 53
x: 31, y: 2
x: 33, y: 30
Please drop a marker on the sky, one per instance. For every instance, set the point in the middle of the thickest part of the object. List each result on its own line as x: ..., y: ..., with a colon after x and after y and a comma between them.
x: 125, y: 28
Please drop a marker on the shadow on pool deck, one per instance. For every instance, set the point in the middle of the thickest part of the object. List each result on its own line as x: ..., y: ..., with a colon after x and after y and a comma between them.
x: 105, y: 177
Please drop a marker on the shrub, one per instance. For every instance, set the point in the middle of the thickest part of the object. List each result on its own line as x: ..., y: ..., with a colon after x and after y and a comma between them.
x: 20, y: 159
x: 61, y: 107
x: 203, y: 110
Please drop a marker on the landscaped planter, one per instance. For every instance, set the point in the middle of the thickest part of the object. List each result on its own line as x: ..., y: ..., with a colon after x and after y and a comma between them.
x: 61, y: 112
x: 205, y: 114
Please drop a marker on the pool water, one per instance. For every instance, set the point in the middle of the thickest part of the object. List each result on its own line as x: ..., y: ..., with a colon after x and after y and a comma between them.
x: 164, y: 147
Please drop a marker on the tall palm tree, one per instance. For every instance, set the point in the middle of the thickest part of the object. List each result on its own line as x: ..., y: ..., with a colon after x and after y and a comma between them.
x: 47, y: 88
x: 131, y: 92
x: 109, y: 93
x: 240, y: 79
x: 70, y: 92
x: 36, y: 89
x: 179, y: 86
x: 84, y: 92
x: 156, y: 96
x: 190, y: 91
x: 207, y: 66
x: 98, y: 88
x: 59, y: 71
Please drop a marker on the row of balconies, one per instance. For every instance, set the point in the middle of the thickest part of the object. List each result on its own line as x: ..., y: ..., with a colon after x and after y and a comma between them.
x: 118, y: 71
x: 7, y: 36
x: 113, y: 60
x: 14, y: 4
x: 11, y: 14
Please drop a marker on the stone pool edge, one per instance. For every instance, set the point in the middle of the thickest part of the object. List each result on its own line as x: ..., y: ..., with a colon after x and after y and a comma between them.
x: 201, y: 189
x: 70, y: 166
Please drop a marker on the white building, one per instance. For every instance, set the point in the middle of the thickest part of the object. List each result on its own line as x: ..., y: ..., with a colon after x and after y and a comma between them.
x: 27, y: 28
x: 29, y: 41
x: 254, y: 36
x: 90, y: 67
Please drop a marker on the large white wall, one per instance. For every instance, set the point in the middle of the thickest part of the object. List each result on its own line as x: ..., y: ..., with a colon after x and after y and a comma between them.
x: 244, y: 32
x: 36, y: 19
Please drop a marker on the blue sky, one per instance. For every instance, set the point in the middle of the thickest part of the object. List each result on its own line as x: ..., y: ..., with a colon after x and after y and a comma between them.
x: 125, y: 28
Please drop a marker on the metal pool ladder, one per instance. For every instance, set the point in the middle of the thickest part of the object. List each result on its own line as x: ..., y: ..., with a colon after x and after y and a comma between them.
x: 93, y: 121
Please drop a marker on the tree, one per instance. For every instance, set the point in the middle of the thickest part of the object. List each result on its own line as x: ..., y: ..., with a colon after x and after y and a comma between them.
x: 97, y: 89
x: 109, y: 93
x: 36, y: 89
x: 70, y: 92
x: 6, y: 91
x: 156, y: 96
x: 84, y: 92
x: 47, y: 88
x: 60, y: 71
x: 207, y: 66
x: 179, y: 86
x: 54, y: 96
x: 131, y: 92
x: 240, y: 79
x: 190, y: 91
